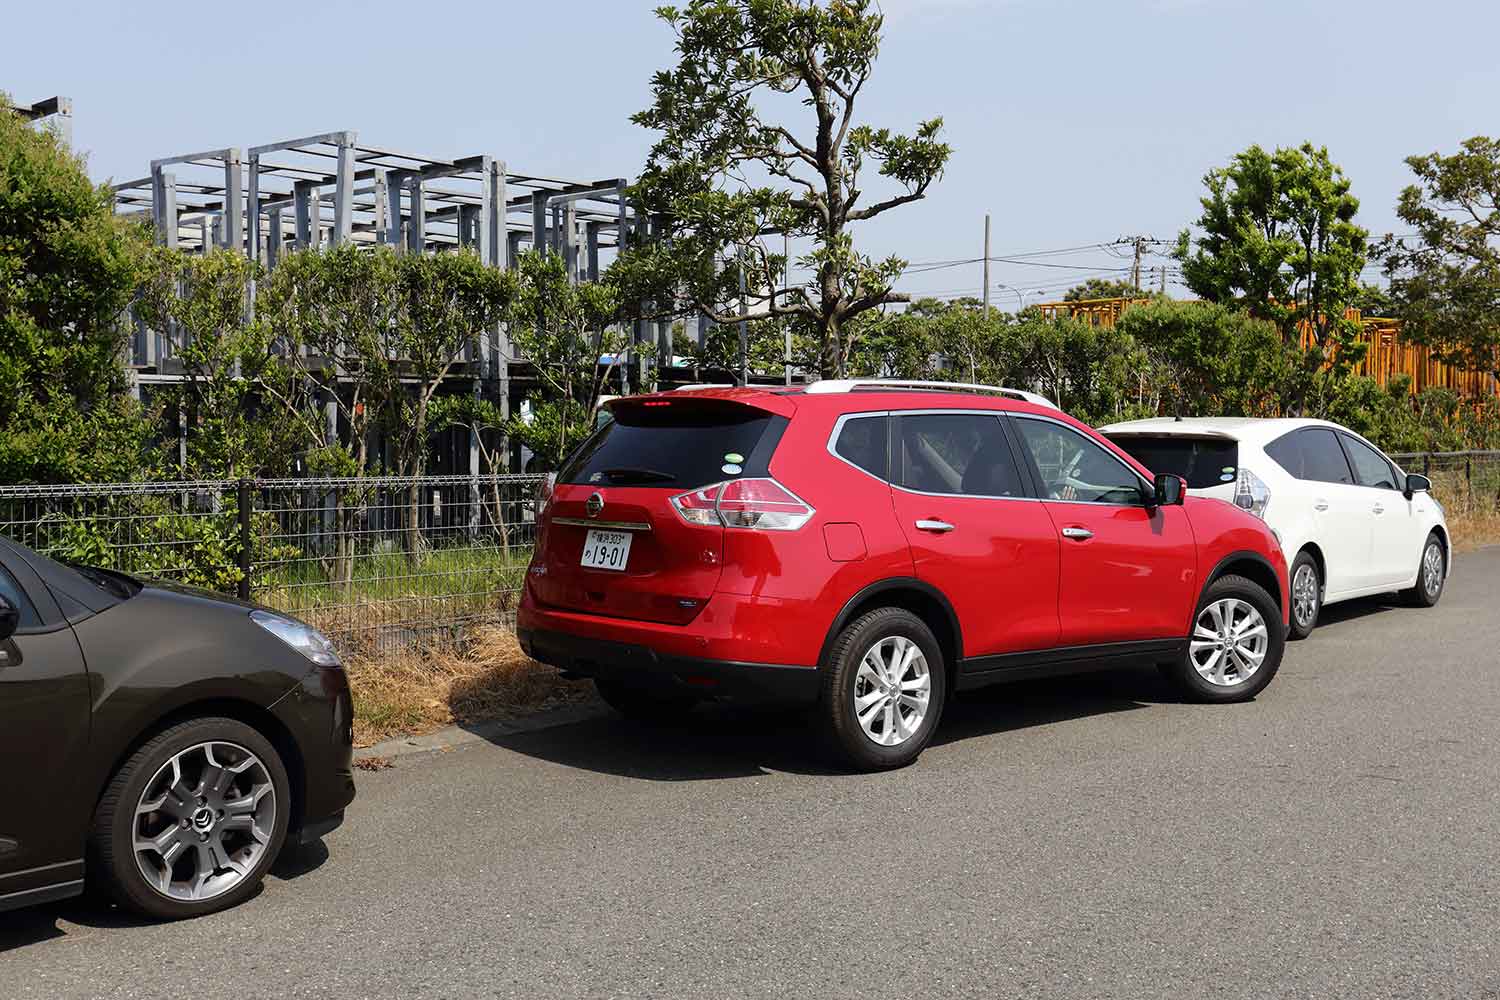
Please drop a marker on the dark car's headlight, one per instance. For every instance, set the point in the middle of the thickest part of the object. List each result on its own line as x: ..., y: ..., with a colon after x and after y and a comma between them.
x: 303, y: 638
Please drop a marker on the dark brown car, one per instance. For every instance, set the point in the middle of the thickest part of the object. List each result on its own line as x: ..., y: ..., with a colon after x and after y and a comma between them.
x: 159, y: 742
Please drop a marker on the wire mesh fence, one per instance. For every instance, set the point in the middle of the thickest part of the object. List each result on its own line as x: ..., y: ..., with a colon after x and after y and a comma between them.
x: 374, y: 562
x: 1466, y: 482
x: 387, y: 562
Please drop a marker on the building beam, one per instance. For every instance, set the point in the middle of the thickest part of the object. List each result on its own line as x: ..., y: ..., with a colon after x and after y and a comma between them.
x: 343, y: 192
x: 234, y: 201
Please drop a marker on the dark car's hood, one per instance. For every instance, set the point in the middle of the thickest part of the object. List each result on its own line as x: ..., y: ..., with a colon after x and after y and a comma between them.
x: 203, y: 594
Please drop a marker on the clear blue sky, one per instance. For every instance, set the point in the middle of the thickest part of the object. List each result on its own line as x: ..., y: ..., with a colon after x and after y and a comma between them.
x: 1074, y: 121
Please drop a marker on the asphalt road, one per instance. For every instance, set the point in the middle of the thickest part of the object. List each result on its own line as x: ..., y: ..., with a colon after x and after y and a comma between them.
x: 1090, y: 837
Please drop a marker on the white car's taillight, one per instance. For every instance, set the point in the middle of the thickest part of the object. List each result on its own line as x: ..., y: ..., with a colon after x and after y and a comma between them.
x: 1251, y: 493
x: 761, y: 504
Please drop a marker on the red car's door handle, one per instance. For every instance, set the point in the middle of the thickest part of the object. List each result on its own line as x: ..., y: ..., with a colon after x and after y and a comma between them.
x: 932, y: 524
x: 1080, y: 534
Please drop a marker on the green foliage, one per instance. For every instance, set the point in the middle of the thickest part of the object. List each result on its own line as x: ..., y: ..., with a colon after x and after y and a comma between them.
x: 1085, y: 369
x: 1102, y: 288
x: 1447, y: 286
x: 68, y: 268
x: 1277, y: 238
x: 562, y: 328
x: 1212, y: 360
x: 1374, y: 302
x: 1088, y: 370
x: 149, y: 537
x: 341, y: 305
x: 443, y: 301
x: 199, y: 303
x: 730, y: 165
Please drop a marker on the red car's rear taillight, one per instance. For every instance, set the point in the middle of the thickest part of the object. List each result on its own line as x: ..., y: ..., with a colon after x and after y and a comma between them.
x: 762, y: 504
x: 544, y: 491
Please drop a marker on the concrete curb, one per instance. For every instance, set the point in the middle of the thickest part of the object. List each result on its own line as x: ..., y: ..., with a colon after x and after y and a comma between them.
x: 453, y: 737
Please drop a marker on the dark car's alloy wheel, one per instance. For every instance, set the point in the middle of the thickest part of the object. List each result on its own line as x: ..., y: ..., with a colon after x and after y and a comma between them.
x: 204, y: 821
x: 193, y: 820
x: 1235, y: 644
x: 1307, y: 595
x: 884, y: 688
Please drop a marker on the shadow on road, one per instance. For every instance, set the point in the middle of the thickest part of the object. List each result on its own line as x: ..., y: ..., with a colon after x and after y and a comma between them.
x: 33, y: 925
x: 1360, y: 607
x: 736, y: 741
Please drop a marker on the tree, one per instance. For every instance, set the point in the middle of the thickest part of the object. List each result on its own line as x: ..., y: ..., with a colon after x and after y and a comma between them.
x: 68, y: 268
x: 1446, y: 283
x: 340, y: 304
x: 1084, y: 369
x: 1277, y: 237
x: 444, y: 302
x: 1102, y: 288
x: 731, y: 166
x: 198, y: 303
x: 1208, y: 359
x: 1374, y: 302
x: 563, y: 329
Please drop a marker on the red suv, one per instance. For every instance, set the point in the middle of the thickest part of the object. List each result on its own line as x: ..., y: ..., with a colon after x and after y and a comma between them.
x: 873, y: 546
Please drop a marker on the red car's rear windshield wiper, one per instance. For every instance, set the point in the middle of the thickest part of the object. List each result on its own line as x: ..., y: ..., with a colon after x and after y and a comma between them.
x: 639, y: 476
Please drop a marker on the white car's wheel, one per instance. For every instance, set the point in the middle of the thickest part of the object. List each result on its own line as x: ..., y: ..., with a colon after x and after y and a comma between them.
x: 1432, y: 573
x: 1307, y: 595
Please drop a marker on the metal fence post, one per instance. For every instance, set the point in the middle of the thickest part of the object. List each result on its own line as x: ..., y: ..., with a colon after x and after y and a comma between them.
x: 1426, y: 464
x: 246, y: 565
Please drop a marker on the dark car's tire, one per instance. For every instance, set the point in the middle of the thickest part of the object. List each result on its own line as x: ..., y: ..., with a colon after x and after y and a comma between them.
x: 224, y: 802
x: 884, y: 686
x: 644, y: 704
x: 1432, y: 574
x: 1234, y: 643
x: 1307, y: 595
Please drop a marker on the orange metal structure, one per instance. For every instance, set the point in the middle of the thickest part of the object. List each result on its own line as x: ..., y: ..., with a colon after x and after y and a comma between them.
x: 1387, y: 354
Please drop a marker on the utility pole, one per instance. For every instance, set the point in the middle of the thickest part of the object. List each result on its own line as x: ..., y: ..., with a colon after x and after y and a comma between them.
x: 986, y: 266
x: 1164, y: 279
x: 1135, y: 268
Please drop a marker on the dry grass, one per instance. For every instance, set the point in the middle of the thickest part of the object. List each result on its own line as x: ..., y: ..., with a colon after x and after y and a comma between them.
x: 402, y: 694
x: 1472, y: 506
x: 1474, y: 529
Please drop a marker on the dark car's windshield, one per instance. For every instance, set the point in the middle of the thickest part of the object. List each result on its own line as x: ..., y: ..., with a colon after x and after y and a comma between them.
x: 112, y: 583
x: 1203, y: 462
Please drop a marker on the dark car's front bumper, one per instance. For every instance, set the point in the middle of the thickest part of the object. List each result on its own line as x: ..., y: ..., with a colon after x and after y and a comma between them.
x: 319, y: 715
x: 589, y: 657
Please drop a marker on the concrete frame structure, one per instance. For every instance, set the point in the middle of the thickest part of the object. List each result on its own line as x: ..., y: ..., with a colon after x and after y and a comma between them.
x: 328, y: 189
x: 54, y: 111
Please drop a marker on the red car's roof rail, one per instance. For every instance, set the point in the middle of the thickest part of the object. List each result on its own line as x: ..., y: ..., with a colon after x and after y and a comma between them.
x: 833, y: 385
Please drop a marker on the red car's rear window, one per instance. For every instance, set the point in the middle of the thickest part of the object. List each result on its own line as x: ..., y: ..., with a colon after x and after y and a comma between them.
x: 677, y: 445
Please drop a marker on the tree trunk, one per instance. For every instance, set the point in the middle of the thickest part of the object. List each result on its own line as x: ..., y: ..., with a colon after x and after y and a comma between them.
x: 831, y: 357
x: 417, y: 468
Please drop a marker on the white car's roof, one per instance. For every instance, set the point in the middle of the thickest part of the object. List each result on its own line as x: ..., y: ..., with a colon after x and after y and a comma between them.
x: 1254, y: 430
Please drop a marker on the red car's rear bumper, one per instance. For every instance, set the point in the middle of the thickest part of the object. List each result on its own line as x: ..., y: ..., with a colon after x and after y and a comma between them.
x: 738, y: 644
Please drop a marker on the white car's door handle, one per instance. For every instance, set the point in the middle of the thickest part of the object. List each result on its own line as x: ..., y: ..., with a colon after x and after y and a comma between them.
x: 928, y: 524
x: 1320, y: 505
x: 1078, y: 533
x: 1379, y: 508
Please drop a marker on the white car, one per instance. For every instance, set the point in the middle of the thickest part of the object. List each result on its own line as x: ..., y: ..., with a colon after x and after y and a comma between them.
x: 1350, y: 521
